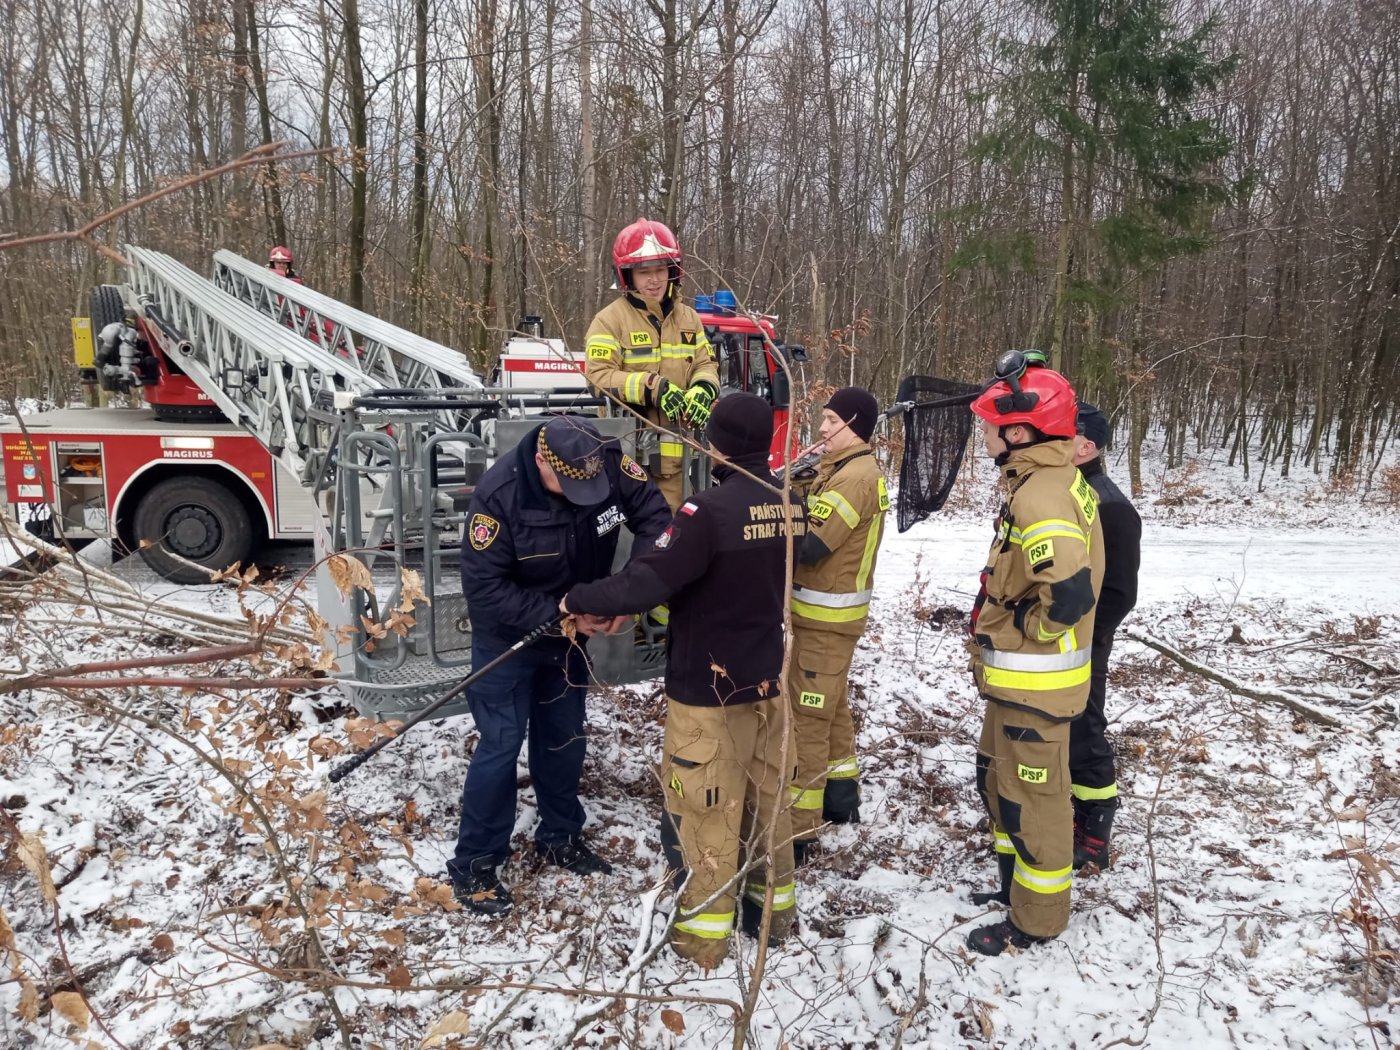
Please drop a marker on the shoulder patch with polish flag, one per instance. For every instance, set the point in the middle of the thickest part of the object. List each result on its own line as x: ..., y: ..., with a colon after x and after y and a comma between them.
x: 688, y: 508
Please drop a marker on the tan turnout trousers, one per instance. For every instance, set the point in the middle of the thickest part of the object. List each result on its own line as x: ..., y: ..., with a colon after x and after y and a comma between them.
x: 723, y: 779
x: 1023, y: 774
x: 818, y: 678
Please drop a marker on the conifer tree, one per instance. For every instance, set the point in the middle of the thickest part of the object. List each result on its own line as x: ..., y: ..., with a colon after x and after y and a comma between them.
x: 1106, y: 99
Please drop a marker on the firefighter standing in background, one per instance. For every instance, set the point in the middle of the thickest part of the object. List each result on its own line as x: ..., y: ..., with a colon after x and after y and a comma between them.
x: 548, y: 514
x: 846, y: 505
x: 722, y: 567
x: 649, y: 349
x: 1093, y: 779
x: 279, y: 261
x: 1031, y: 655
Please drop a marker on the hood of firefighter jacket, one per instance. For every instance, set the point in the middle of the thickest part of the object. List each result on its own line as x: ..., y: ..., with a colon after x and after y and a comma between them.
x: 1053, y: 453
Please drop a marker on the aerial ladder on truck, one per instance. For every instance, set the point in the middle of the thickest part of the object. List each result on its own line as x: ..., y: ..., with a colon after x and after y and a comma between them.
x: 389, y: 433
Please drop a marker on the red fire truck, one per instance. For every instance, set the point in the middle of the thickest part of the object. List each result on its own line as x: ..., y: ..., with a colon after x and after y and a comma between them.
x: 173, y: 467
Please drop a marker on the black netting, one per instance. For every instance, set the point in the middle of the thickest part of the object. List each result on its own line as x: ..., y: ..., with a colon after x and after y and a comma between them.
x: 937, y: 424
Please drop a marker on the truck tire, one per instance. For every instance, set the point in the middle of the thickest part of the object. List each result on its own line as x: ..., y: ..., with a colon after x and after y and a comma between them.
x: 106, y: 307
x: 197, y: 518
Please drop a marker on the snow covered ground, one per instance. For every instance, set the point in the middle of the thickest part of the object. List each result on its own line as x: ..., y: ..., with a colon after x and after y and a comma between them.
x: 234, y: 897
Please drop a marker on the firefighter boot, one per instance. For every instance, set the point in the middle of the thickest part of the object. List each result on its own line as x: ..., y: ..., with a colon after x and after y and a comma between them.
x: 802, y: 851
x: 705, y: 952
x: 996, y: 938
x: 1093, y: 825
x: 841, y: 801
x: 482, y: 891
x: 751, y: 920
x: 1006, y: 866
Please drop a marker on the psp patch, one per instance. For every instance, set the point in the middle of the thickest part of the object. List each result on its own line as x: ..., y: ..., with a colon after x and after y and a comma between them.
x: 1033, y: 774
x: 641, y: 338
x: 483, y: 529
x: 599, y: 353
x: 815, y: 700
x: 632, y: 468
x: 820, y: 511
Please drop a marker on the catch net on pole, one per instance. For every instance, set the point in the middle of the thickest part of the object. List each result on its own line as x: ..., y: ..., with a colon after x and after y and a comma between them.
x: 937, y: 425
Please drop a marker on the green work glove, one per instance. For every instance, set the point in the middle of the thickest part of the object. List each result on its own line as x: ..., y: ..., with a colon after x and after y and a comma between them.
x: 672, y: 399
x: 698, y: 400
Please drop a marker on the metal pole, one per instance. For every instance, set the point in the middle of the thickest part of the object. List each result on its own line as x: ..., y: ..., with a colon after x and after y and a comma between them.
x: 343, y: 770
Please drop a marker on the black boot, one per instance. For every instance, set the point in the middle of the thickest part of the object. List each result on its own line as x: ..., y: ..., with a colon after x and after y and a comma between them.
x: 481, y: 892
x: 751, y: 919
x: 574, y: 855
x: 1093, y: 827
x: 996, y: 938
x: 802, y: 851
x: 1006, y: 867
x: 841, y: 801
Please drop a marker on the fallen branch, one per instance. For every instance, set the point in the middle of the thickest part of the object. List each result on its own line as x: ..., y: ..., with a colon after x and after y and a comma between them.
x: 261, y: 155
x: 1278, y: 696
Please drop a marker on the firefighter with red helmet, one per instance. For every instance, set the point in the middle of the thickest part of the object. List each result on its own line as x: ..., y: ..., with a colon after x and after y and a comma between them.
x: 279, y: 261
x: 649, y: 349
x: 1032, y: 646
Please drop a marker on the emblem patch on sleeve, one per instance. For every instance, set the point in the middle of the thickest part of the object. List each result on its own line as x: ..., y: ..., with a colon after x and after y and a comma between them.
x: 599, y: 353
x: 633, y: 469
x: 663, y: 541
x: 820, y: 511
x: 483, y: 529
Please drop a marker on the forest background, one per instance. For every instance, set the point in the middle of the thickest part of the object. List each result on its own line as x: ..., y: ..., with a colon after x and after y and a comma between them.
x: 1193, y: 208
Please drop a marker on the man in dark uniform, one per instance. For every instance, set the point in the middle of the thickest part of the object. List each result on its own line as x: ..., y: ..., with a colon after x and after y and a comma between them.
x: 1093, y: 779
x: 727, y: 762
x: 546, y: 516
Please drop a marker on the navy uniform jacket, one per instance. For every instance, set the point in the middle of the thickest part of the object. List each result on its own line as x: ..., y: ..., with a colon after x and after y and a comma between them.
x: 1122, y: 551
x: 722, y: 565
x: 524, y: 546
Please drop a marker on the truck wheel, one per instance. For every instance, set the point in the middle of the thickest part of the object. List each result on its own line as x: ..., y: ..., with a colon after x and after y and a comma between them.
x: 196, y: 518
x: 106, y: 306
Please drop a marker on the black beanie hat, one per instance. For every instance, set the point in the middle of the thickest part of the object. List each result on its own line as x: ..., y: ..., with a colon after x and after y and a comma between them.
x: 858, y: 408
x: 1093, y: 424
x: 741, y: 425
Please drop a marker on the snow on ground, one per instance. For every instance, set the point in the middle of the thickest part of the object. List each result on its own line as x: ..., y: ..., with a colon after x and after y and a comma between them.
x: 1252, y: 902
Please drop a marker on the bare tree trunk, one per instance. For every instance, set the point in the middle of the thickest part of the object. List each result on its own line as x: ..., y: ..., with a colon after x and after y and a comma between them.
x: 272, y: 188
x: 359, y: 144
x: 418, y: 220
x: 588, y: 217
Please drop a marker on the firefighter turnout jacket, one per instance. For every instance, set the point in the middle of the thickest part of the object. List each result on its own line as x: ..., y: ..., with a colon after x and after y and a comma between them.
x: 1043, y: 574
x: 846, y: 505
x: 721, y: 567
x: 632, y: 345
x: 525, y: 547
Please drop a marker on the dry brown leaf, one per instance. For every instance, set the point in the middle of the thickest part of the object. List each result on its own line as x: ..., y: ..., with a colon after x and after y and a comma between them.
x: 7, y: 938
x: 399, y: 977
x: 674, y: 1020
x: 272, y: 1046
x: 411, y: 591
x: 394, y: 936
x: 71, y: 1006
x: 36, y: 859
x: 450, y: 1024
x: 1353, y: 813
x: 163, y: 943
x: 28, y: 1009
x: 347, y: 573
